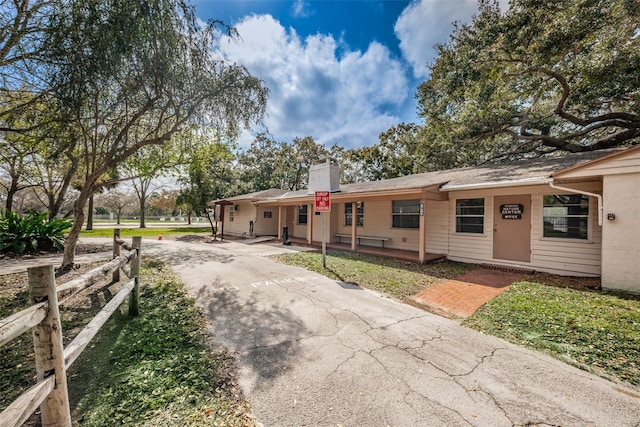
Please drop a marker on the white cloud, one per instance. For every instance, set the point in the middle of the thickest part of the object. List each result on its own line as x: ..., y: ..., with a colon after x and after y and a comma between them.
x: 317, y: 89
x: 425, y: 23
x: 300, y: 9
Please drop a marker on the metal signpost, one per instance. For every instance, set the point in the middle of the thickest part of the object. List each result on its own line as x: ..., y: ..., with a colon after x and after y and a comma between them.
x: 323, y: 205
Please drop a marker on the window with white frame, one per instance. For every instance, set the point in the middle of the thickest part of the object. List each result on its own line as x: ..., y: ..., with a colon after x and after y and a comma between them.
x: 405, y: 213
x: 348, y: 214
x: 470, y: 216
x: 302, y: 214
x: 565, y: 216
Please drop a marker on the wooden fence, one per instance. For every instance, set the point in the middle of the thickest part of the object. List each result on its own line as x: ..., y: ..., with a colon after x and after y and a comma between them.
x: 43, y: 318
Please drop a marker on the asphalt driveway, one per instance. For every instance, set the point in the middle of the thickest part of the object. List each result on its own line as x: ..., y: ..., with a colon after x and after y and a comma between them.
x: 315, y: 352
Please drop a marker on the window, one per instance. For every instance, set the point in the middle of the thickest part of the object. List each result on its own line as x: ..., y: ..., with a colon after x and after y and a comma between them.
x: 231, y: 214
x: 348, y: 214
x: 405, y: 213
x: 470, y: 216
x: 565, y: 216
x: 302, y: 214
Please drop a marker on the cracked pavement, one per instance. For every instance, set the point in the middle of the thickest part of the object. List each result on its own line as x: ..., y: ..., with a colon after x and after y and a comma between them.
x: 315, y: 352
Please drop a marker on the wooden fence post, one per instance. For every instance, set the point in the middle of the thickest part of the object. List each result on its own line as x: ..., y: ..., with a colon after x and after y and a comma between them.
x: 48, y: 348
x: 134, y: 296
x: 115, y: 277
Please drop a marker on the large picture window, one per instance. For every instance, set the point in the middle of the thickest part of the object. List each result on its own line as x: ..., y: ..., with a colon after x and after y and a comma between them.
x: 302, y: 214
x: 405, y: 213
x: 566, y: 216
x: 470, y: 216
x: 348, y: 214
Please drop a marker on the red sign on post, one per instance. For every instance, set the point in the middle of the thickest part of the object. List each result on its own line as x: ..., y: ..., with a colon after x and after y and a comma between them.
x: 323, y: 201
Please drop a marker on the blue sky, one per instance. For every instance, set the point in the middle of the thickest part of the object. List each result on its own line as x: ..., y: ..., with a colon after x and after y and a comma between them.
x: 339, y: 71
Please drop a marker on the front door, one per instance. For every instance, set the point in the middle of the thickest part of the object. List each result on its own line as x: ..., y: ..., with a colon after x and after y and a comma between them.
x: 512, y: 227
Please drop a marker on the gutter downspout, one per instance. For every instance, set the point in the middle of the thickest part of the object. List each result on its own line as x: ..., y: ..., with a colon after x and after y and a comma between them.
x: 586, y: 193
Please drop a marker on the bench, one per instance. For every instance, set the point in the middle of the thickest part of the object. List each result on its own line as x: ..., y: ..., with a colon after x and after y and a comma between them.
x: 340, y: 236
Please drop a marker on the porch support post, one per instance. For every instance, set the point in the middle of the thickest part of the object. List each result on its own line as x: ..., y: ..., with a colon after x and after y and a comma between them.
x: 310, y: 214
x: 423, y: 230
x: 354, y: 224
x: 279, y: 222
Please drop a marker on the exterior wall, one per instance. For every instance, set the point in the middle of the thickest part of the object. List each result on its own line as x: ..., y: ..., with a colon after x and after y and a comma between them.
x: 558, y: 256
x: 240, y: 225
x: 377, y: 223
x: 437, y: 227
x: 625, y: 162
x: 266, y: 226
x: 300, y: 230
x: 621, y: 236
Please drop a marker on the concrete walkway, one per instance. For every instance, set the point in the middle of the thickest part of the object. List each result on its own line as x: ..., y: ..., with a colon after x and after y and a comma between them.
x: 315, y: 352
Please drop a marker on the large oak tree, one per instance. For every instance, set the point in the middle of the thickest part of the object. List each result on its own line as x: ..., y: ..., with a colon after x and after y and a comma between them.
x: 544, y: 76
x: 134, y: 74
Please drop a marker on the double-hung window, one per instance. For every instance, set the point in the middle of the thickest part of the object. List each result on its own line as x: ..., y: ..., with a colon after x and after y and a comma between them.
x: 302, y: 214
x: 405, y: 213
x: 348, y: 214
x: 565, y: 216
x: 470, y: 216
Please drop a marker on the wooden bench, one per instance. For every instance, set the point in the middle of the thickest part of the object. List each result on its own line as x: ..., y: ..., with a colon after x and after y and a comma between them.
x: 340, y: 236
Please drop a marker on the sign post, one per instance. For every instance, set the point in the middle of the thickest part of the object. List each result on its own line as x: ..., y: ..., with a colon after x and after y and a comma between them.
x: 323, y: 205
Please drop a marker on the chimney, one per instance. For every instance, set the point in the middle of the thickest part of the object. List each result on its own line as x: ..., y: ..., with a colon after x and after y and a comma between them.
x: 324, y: 175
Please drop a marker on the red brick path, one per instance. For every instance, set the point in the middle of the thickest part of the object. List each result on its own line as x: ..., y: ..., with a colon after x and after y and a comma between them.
x: 461, y: 297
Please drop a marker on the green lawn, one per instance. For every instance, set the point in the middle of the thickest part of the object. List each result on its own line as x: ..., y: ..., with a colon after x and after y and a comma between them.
x: 597, y: 331
x: 156, y: 369
x: 145, y: 232
x: 395, y: 278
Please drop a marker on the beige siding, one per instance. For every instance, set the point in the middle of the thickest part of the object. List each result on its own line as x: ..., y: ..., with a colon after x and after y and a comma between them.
x: 621, y: 242
x: 300, y: 230
x: 627, y: 162
x: 565, y: 256
x: 559, y: 256
x: 437, y: 227
x: 377, y: 223
x: 471, y: 247
x: 245, y: 212
x: 266, y: 226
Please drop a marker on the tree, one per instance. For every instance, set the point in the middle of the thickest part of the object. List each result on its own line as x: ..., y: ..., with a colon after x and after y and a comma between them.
x: 207, y: 176
x: 117, y: 201
x: 144, y: 167
x: 133, y: 74
x: 270, y: 164
x: 545, y: 76
x: 395, y: 155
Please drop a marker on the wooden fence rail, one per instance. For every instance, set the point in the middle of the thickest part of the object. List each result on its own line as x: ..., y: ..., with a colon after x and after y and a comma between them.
x: 43, y: 318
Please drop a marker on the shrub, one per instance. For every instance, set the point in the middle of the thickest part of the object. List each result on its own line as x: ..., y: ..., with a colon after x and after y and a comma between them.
x: 31, y: 233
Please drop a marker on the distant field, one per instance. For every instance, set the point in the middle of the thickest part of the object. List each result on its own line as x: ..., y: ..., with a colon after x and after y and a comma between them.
x: 153, y: 231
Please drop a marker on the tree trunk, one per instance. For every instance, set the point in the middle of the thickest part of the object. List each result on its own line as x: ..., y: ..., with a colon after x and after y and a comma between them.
x: 142, y: 212
x: 74, y: 233
x: 90, y: 214
x: 11, y: 192
x: 189, y: 217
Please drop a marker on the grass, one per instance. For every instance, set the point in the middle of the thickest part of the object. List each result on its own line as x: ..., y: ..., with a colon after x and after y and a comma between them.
x: 145, y: 232
x: 155, y: 369
x: 395, y: 278
x: 594, y: 330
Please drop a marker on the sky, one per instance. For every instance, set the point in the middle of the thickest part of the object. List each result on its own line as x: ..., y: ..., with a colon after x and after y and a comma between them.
x: 340, y: 71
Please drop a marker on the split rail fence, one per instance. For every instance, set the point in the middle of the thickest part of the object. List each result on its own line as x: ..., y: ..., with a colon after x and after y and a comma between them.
x: 43, y: 318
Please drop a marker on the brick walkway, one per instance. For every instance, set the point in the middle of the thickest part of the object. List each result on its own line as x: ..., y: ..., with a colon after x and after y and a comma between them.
x: 461, y: 297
